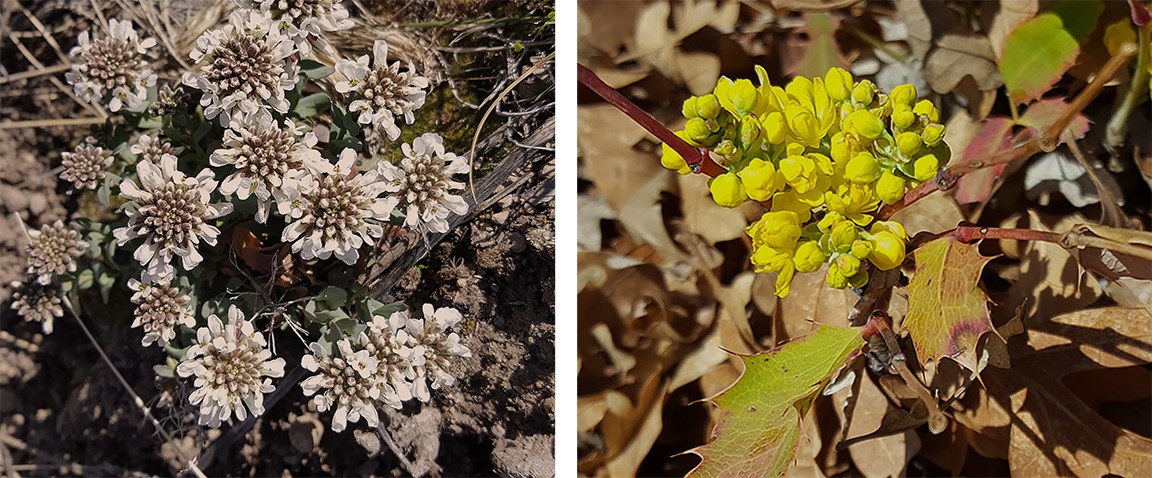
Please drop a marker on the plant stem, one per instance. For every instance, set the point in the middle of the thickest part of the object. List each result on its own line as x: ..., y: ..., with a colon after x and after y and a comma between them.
x: 1024, y: 147
x: 970, y: 234
x: 1117, y: 130
x: 697, y: 158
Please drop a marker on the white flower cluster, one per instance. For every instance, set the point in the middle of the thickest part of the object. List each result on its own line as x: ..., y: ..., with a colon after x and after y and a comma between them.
x: 231, y: 363
x: 53, y: 251
x: 113, y: 68
x: 160, y: 307
x: 303, y: 20
x: 154, y: 149
x: 424, y: 181
x: 170, y: 211
x: 383, y: 92
x: 399, y: 358
x: 247, y: 67
x: 334, y: 211
x: 265, y: 161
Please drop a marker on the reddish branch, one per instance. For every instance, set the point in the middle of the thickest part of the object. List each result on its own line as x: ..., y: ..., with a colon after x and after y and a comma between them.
x: 697, y: 158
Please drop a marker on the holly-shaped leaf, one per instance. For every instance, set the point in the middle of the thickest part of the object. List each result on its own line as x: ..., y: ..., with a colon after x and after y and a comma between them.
x: 1036, y: 55
x: 947, y: 310
x: 761, y: 412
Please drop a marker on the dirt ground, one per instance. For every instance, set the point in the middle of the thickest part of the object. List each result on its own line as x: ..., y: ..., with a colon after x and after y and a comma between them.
x: 63, y: 412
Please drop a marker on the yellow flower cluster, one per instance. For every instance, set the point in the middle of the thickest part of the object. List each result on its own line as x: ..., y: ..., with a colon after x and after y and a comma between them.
x: 822, y: 154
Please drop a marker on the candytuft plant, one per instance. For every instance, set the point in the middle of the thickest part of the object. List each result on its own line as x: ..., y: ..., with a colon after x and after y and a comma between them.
x: 233, y: 207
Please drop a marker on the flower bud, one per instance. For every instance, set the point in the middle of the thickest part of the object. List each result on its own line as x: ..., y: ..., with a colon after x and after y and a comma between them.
x: 902, y: 95
x: 670, y: 159
x: 750, y: 131
x: 707, y: 106
x: 834, y: 277
x: 725, y: 148
x: 843, y: 235
x: 890, y: 188
x: 903, y: 117
x: 761, y: 180
x: 809, y: 257
x: 838, y: 82
x: 803, y: 124
x: 689, y: 108
x: 776, y: 229
x: 861, y: 249
x: 926, y: 108
x: 844, y: 146
x: 697, y: 129
x: 860, y: 279
x: 932, y: 134
x: 774, y: 127
x: 925, y: 167
x: 864, y: 92
x: 831, y: 219
x: 887, y: 250
x: 864, y: 123
x: 743, y: 96
x: 890, y: 226
x: 909, y: 143
x: 727, y: 190
x: 847, y: 264
x: 862, y: 168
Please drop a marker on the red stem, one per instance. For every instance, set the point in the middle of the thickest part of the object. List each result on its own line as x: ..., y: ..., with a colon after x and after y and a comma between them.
x: 697, y: 158
x: 969, y: 234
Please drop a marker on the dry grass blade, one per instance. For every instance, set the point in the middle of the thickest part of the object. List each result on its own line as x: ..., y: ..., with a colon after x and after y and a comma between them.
x: 24, y: 75
x: 51, y: 122
x: 491, y: 107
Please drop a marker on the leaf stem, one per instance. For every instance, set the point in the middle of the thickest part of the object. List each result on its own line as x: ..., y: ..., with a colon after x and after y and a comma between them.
x: 1117, y: 130
x: 697, y: 158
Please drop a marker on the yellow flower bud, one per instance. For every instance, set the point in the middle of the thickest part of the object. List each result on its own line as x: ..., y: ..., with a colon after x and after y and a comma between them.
x: 834, y: 277
x: 926, y: 108
x: 670, y: 159
x: 890, y: 188
x: 698, y: 130
x: 727, y: 190
x: 902, y: 95
x: 887, y: 250
x: 760, y: 180
x: 770, y: 259
x: 864, y: 92
x: 844, y: 146
x: 932, y: 134
x: 809, y: 257
x: 774, y: 127
x: 689, y: 108
x: 903, y: 117
x: 830, y: 220
x: 743, y: 96
x: 803, y: 124
x: 847, y: 264
x: 843, y: 235
x: 862, y: 168
x: 784, y: 280
x: 838, y: 82
x: 861, y: 249
x: 909, y: 143
x: 777, y: 229
x: 890, y: 226
x: 725, y: 148
x: 708, y: 107
x: 864, y: 123
x: 750, y: 132
x: 925, y: 167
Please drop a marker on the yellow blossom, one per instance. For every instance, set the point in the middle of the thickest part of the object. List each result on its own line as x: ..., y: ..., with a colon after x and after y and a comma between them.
x: 809, y: 256
x: 887, y: 250
x: 838, y: 82
x: 862, y: 168
x: 728, y: 190
x: 776, y: 229
x: 774, y: 127
x: 865, y: 124
x: 854, y: 201
x: 790, y: 201
x: 761, y: 180
x: 925, y: 167
x: 890, y: 188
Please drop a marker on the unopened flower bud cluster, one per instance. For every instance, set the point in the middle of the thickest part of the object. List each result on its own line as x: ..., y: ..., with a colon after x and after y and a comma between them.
x: 52, y: 252
x: 823, y: 154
